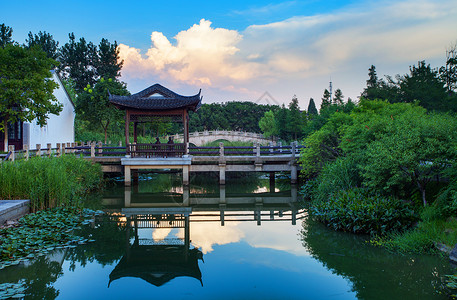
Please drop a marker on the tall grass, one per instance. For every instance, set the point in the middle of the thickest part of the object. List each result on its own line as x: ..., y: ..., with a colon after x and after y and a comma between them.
x: 423, y: 238
x: 49, y: 182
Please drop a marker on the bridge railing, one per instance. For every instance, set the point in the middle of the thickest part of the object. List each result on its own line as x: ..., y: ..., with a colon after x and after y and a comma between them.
x: 246, y: 150
x: 150, y: 150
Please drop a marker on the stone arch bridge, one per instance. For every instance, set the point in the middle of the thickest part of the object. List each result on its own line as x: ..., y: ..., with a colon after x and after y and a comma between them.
x: 207, y: 136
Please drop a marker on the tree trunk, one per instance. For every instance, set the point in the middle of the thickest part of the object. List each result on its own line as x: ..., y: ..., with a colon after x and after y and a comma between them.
x: 423, y: 197
x: 105, y: 128
x: 5, y: 129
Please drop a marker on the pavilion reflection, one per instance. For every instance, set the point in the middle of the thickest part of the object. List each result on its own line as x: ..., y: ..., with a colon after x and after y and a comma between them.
x: 158, y: 262
x: 153, y: 215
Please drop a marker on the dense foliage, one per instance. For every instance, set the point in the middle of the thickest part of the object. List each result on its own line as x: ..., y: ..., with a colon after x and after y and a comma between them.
x: 358, y: 211
x: 49, y: 182
x: 234, y: 115
x: 26, y: 91
x: 370, y: 165
x: 93, y: 106
x: 287, y: 123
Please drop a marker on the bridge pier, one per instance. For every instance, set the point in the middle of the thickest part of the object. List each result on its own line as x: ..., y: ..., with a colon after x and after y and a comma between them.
x: 272, y: 182
x: 293, y: 174
x: 222, y: 173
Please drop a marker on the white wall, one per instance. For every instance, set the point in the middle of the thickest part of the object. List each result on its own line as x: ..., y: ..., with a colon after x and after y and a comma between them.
x: 59, y: 128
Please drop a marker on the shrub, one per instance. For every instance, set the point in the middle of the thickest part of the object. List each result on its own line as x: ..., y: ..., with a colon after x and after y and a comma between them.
x: 423, y: 238
x: 341, y: 174
x: 357, y: 211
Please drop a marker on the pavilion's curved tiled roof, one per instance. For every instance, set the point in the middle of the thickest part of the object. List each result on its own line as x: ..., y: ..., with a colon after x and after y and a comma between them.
x: 147, y: 100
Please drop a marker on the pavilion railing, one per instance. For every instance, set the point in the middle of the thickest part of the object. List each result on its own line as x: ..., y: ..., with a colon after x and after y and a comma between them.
x: 156, y: 150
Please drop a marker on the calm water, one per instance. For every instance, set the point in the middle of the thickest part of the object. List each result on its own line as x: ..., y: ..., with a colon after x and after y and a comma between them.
x: 246, y: 240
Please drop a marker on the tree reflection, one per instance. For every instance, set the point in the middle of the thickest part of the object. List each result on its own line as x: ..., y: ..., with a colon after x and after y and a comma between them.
x: 37, y: 278
x: 370, y: 269
x: 109, y: 233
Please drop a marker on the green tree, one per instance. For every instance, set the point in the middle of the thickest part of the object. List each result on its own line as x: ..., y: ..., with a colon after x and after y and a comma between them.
x: 295, y: 120
x: 415, y: 148
x: 45, y: 41
x: 448, y: 72
x: 268, y: 124
x: 323, y: 145
x: 77, y: 61
x: 93, y: 104
x: 424, y: 85
x: 338, y: 99
x: 281, y: 123
x: 312, y: 110
x: 107, y: 63
x: 26, y: 90
x: 326, y: 99
x: 6, y: 35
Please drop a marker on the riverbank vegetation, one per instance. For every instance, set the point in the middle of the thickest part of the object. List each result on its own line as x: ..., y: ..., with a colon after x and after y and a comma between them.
x: 388, y: 167
x: 49, y: 182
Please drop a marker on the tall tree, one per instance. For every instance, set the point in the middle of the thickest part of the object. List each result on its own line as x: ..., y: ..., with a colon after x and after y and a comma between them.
x: 448, y: 73
x: 268, y: 124
x: 281, y: 123
x: 312, y: 110
x: 424, y: 85
x: 45, y: 41
x: 295, y: 121
x: 108, y: 64
x: 326, y: 101
x: 26, y: 90
x: 93, y: 104
x: 6, y: 35
x: 77, y: 61
x: 338, y: 99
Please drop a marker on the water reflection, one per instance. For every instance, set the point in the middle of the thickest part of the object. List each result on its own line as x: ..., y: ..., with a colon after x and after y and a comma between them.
x: 237, y: 241
x: 374, y: 272
x: 161, y: 249
x: 158, y: 261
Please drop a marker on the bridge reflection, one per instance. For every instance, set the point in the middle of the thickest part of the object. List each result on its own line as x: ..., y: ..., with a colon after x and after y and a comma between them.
x: 213, y: 207
x: 161, y: 247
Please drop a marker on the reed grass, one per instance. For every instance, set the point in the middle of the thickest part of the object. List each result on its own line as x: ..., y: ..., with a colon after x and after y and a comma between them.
x: 49, y: 182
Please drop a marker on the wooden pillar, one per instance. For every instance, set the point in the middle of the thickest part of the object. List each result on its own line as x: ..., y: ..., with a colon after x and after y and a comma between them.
x: 63, y: 149
x: 11, y: 149
x: 127, y: 123
x: 135, y: 131
x: 48, y: 150
x: 186, y: 129
x: 92, y: 149
x: 100, y: 147
x: 135, y: 175
x: 26, y: 148
x: 272, y: 182
x: 59, y: 150
x: 38, y: 149
x: 186, y: 237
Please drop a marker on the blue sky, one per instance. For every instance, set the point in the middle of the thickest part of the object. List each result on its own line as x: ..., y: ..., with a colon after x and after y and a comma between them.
x: 238, y: 50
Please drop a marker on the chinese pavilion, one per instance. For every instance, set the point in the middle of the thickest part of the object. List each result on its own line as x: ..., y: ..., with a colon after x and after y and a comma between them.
x: 156, y: 102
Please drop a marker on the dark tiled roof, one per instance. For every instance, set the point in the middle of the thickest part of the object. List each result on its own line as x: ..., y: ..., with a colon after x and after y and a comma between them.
x: 165, y: 101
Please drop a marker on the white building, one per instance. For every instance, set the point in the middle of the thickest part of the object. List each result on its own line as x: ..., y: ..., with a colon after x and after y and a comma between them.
x: 59, y: 128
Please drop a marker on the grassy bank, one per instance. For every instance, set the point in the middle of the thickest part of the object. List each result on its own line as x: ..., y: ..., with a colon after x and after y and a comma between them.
x: 49, y: 182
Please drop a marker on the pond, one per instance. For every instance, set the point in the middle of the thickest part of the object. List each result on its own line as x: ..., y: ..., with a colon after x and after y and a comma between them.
x: 249, y: 239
